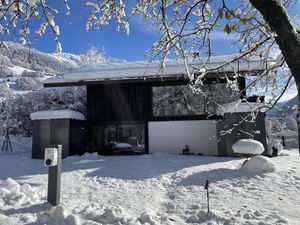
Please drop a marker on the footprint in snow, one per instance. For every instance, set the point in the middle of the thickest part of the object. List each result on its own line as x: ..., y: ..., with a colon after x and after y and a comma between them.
x: 296, y: 178
x: 258, y: 213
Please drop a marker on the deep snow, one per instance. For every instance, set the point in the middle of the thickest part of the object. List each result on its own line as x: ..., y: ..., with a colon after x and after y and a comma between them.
x: 148, y: 189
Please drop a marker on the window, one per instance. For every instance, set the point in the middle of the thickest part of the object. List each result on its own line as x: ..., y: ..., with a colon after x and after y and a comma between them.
x: 127, y: 133
x: 180, y: 100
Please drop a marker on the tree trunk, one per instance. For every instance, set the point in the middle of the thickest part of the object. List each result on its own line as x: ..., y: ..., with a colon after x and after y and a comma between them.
x: 298, y: 112
x: 288, y: 39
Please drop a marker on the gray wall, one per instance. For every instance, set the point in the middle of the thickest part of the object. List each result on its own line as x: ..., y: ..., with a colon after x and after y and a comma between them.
x: 69, y: 133
x: 40, y: 137
x: 243, y: 129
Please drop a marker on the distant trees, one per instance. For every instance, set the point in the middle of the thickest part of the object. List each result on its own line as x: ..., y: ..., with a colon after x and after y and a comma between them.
x: 17, y: 109
x: 92, y: 56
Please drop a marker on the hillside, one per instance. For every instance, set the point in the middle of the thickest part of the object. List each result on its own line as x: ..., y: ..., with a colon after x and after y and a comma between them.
x: 286, y: 108
x: 16, y: 58
x: 22, y: 72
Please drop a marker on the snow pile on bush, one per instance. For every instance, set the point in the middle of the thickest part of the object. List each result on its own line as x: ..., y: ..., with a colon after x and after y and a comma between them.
x: 59, y: 216
x: 259, y: 164
x: 248, y: 146
x: 274, y: 143
x: 14, y: 194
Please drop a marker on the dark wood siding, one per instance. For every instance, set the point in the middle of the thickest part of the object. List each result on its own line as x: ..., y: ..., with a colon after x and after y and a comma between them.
x: 119, y: 102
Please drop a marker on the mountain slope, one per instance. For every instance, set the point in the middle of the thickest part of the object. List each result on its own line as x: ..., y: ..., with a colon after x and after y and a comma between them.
x: 286, y: 108
x: 25, y: 68
x: 15, y: 55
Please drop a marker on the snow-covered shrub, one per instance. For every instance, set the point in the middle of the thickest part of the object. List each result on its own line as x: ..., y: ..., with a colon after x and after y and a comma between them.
x: 248, y: 147
x: 274, y: 144
x: 279, y: 124
x: 259, y: 164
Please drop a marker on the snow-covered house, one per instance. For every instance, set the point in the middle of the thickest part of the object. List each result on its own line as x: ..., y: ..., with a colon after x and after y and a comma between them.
x: 135, y: 104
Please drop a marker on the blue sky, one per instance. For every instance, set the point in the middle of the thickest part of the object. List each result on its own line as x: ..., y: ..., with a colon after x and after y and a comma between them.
x: 75, y: 39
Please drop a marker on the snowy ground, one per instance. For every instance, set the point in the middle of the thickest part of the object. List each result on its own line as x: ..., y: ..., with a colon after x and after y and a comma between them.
x: 149, y: 189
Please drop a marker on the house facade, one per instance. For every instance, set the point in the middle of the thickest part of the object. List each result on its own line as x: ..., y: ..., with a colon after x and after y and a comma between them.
x: 132, y: 103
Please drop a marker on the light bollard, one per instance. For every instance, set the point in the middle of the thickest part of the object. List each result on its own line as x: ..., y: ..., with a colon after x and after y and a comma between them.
x: 53, y: 161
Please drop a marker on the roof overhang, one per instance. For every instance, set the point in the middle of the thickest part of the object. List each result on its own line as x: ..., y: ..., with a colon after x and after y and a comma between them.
x: 144, y: 72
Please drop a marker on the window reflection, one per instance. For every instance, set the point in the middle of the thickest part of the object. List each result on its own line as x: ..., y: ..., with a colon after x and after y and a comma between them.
x: 181, y: 100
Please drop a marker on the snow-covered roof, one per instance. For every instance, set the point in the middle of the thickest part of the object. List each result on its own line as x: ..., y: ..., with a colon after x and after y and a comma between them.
x: 56, y: 114
x: 144, y: 70
x: 240, y: 107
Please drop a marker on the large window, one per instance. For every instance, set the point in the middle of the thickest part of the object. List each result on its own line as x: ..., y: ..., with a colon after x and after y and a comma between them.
x: 132, y: 134
x: 181, y: 100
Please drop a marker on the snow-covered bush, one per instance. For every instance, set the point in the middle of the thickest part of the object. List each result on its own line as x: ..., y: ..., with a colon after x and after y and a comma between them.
x: 274, y: 144
x: 248, y: 147
x: 278, y: 124
x: 259, y: 164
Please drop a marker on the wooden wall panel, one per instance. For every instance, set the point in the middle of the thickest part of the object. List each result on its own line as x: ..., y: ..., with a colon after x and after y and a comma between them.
x: 119, y: 102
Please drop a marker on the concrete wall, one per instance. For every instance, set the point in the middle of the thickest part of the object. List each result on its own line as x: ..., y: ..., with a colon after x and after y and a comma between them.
x: 244, y: 128
x: 48, y: 133
x: 172, y: 136
x: 71, y: 134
